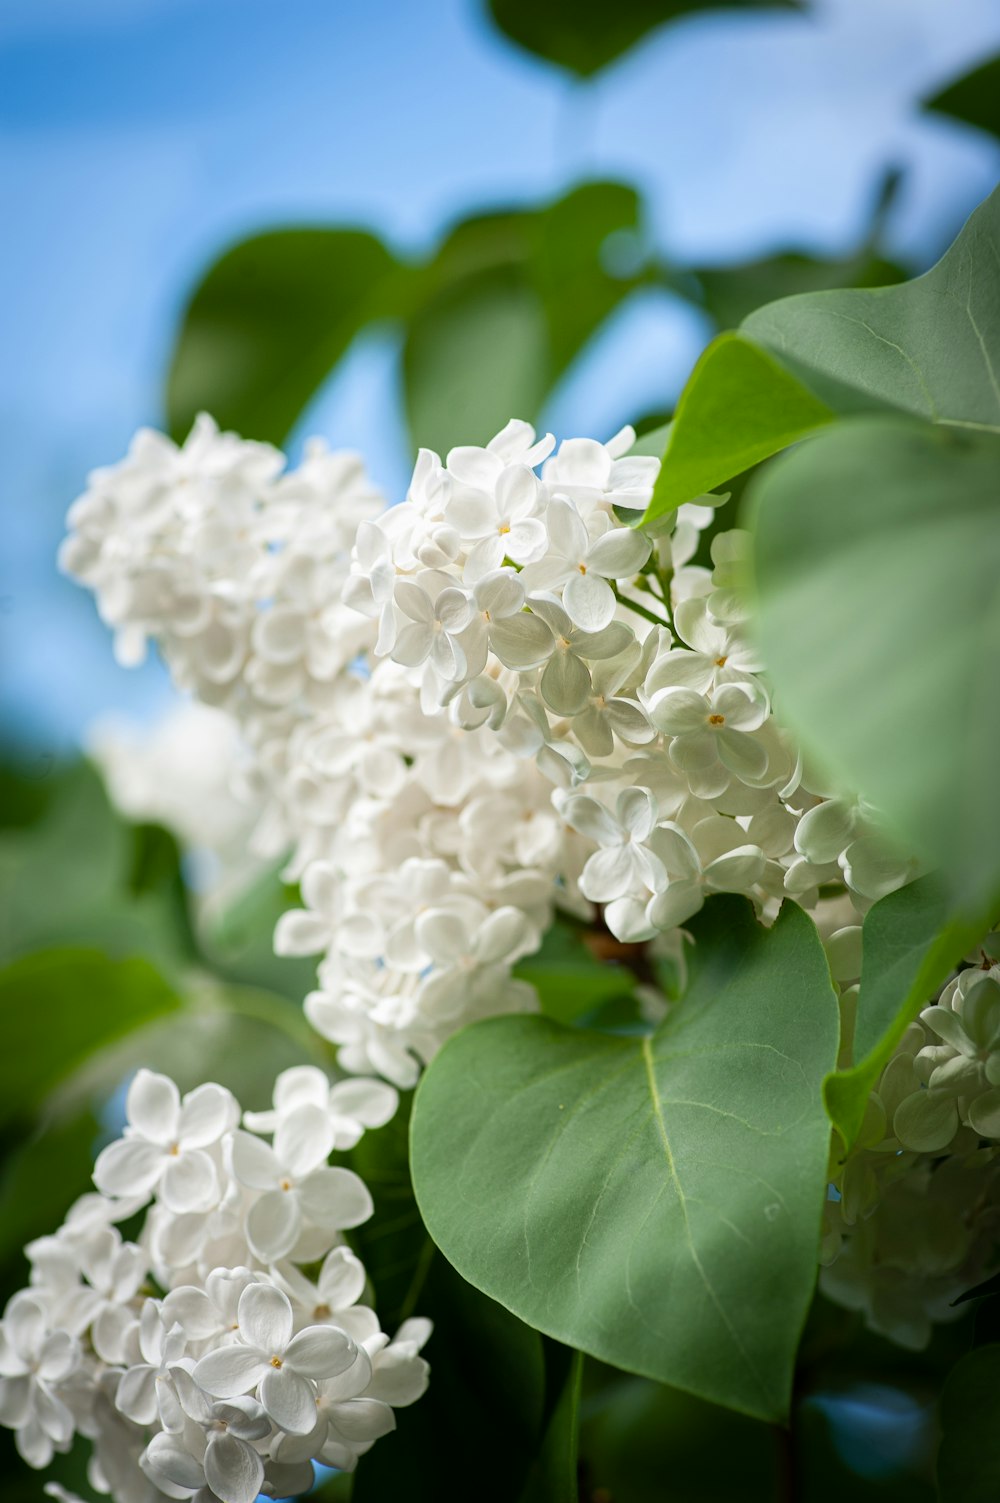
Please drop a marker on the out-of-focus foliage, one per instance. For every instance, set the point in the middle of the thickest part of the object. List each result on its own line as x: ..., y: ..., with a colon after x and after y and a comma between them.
x: 974, y: 98
x: 585, y: 37
x: 969, y: 1460
x: 889, y: 528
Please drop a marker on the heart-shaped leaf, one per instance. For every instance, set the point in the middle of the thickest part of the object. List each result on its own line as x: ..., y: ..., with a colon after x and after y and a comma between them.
x: 655, y: 1202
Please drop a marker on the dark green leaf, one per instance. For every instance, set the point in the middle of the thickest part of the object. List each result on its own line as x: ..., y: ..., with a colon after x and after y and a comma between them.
x: 877, y: 556
x: 553, y: 1475
x: 969, y: 1459
x: 569, y: 978
x: 910, y: 941
x: 42, y: 1178
x: 58, y: 1007
x: 622, y: 1195
x: 584, y: 37
x: 975, y: 98
x: 270, y: 320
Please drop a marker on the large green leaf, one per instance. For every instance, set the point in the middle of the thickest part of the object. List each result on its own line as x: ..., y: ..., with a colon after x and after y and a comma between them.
x: 585, y: 36
x: 969, y: 1459
x: 929, y: 347
x: 877, y: 558
x: 910, y: 941
x: 974, y: 98
x: 270, y: 320
x: 624, y: 1195
x: 58, y: 1007
x: 507, y: 303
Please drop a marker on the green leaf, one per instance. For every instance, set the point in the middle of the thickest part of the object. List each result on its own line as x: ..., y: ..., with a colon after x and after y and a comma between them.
x: 569, y: 978
x: 635, y: 1430
x: 929, y: 347
x: 974, y: 98
x: 584, y: 36
x: 41, y: 1179
x: 910, y: 941
x: 270, y: 320
x: 506, y: 304
x: 58, y: 1007
x: 877, y: 559
x: 969, y: 1460
x: 553, y: 1475
x: 622, y: 1195
x: 739, y: 407
x: 236, y: 937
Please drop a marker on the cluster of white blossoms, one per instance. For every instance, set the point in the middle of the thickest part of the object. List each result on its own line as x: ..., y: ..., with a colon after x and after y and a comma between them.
x: 496, y: 697
x: 492, y: 700
x: 201, y: 1360
x: 914, y: 1218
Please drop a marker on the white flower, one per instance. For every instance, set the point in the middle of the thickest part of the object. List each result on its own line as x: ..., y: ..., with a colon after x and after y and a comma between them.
x: 298, y: 1189
x: 333, y: 1298
x: 146, y: 1391
x: 467, y: 950
x: 566, y: 684
x: 624, y: 865
x: 501, y: 522
x: 603, y: 475
x: 519, y: 638
x: 716, y: 653
x: 34, y: 1360
x: 217, y: 1451
x: 164, y: 1144
x: 712, y: 735
x: 275, y: 1364
x: 582, y: 565
x: 351, y: 1105
x: 434, y: 615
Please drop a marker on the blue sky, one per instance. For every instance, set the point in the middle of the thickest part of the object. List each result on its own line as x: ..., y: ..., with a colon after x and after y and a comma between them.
x: 139, y: 137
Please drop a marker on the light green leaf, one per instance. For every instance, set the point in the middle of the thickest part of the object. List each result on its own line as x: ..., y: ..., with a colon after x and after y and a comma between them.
x: 623, y: 1195
x: 910, y: 941
x: 58, y: 1007
x: 929, y: 347
x: 270, y: 320
x: 585, y: 36
x: 739, y: 407
x: 877, y: 559
x: 969, y: 1460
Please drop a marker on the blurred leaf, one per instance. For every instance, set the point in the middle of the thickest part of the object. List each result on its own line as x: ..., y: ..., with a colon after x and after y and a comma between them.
x: 41, y: 1179
x: 240, y: 1036
x: 969, y: 1459
x: 738, y: 407
x: 476, y: 354
x: 80, y: 875
x: 584, y: 37
x: 236, y: 937
x: 929, y: 347
x: 731, y: 293
x: 623, y: 1194
x: 974, y: 98
x: 60, y: 1006
x: 510, y: 299
x: 636, y: 1432
x: 877, y: 558
x: 270, y: 320
x: 553, y: 1474
x: 475, y: 1432
x: 910, y: 941
x: 569, y: 978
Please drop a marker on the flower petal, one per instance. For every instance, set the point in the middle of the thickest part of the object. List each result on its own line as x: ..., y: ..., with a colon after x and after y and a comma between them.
x: 289, y: 1400
x: 320, y: 1352
x: 153, y: 1106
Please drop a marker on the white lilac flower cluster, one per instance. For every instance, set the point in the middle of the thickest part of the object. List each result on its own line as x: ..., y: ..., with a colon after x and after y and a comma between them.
x: 913, y: 1220
x: 223, y: 1349
x: 493, y: 698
